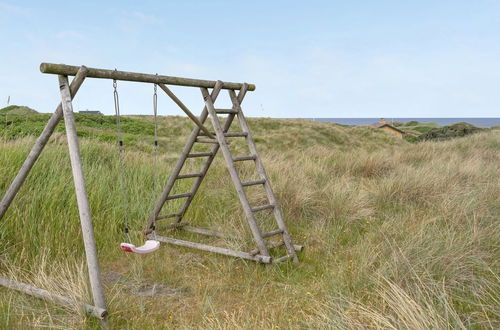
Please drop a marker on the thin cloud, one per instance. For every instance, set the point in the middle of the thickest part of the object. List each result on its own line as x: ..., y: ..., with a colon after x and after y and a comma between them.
x: 14, y: 10
x: 146, y: 18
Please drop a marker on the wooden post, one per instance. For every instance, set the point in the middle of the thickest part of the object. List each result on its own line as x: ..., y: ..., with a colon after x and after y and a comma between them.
x: 55, y: 298
x: 81, y: 195
x: 39, y: 145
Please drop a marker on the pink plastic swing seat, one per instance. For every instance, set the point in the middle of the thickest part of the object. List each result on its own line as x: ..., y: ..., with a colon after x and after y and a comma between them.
x: 148, y: 247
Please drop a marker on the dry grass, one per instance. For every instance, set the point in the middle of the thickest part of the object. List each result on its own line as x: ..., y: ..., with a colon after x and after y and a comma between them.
x: 397, y: 235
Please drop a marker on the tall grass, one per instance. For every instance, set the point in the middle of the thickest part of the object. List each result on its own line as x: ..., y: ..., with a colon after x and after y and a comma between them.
x: 397, y: 235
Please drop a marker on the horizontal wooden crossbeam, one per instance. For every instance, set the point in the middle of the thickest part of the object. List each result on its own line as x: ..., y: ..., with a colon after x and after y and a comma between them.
x: 215, y: 249
x: 71, y: 70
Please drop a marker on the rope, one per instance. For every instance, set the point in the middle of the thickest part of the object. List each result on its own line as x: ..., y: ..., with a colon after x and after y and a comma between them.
x: 121, y: 158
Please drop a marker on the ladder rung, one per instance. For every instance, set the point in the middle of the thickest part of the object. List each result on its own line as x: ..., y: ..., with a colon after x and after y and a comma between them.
x: 253, y: 183
x: 201, y: 133
x: 272, y: 233
x: 200, y: 154
x: 179, y: 196
x: 206, y: 140
x: 185, y: 176
x: 238, y: 134
x: 284, y: 258
x: 242, y: 158
x: 174, y: 225
x: 226, y: 111
x: 264, y: 207
x: 242, y: 134
x: 171, y: 215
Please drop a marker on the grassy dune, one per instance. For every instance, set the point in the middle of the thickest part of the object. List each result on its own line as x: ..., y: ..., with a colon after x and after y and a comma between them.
x: 397, y: 235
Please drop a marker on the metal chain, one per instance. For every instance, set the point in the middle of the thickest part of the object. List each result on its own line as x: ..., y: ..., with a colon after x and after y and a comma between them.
x: 155, y: 110
x: 155, y: 147
x: 121, y: 158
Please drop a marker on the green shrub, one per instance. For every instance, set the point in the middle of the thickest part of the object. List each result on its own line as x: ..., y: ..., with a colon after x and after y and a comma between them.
x: 451, y: 131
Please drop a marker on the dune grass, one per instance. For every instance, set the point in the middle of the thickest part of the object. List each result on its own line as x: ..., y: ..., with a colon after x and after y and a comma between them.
x: 397, y: 235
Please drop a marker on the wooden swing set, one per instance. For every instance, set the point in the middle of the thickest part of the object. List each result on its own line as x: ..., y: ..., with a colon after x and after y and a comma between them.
x: 218, y: 139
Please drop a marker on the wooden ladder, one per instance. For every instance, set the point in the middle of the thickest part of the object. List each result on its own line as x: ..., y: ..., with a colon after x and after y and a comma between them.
x: 261, y: 253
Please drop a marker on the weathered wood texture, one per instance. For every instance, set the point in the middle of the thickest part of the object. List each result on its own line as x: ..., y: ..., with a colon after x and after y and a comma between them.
x: 39, y: 145
x: 55, y: 298
x: 221, y: 133
x: 262, y: 173
x: 186, y: 153
x: 215, y: 249
x: 234, y: 173
x: 81, y: 195
x: 70, y: 70
x: 177, y: 170
x: 213, y: 152
x: 272, y: 245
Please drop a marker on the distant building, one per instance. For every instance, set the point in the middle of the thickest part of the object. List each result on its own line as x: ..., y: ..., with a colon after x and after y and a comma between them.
x: 91, y: 112
x: 382, y: 124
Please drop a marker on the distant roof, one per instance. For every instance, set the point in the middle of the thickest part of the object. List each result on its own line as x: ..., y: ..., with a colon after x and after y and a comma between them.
x: 380, y: 125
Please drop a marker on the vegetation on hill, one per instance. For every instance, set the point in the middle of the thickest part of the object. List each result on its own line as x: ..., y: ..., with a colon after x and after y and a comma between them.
x: 416, y: 127
x: 396, y: 235
x: 449, y: 132
x: 17, y: 110
x: 424, y: 131
x: 173, y: 131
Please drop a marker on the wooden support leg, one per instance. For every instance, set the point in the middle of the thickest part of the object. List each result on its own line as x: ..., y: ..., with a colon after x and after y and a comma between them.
x: 39, y: 145
x: 262, y: 173
x: 55, y: 298
x: 81, y: 196
x: 234, y: 173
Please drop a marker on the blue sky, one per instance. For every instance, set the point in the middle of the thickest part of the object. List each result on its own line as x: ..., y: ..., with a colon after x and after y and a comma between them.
x: 308, y: 59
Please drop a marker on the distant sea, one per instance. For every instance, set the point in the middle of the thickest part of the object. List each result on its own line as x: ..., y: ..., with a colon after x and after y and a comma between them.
x: 481, y: 122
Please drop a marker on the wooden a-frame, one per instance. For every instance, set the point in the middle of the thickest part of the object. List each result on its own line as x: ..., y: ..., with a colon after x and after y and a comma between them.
x: 64, y: 110
x: 200, y: 134
x: 261, y: 253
